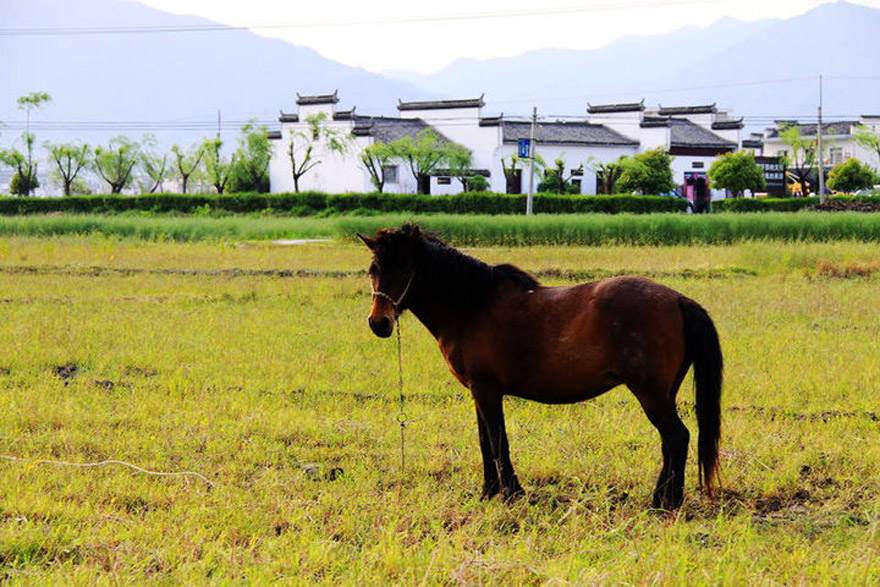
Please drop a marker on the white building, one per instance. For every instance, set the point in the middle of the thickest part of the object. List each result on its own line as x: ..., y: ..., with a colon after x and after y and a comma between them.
x: 837, y: 140
x: 695, y: 136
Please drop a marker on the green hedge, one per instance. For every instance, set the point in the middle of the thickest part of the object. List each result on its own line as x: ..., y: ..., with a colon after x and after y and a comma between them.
x: 779, y: 204
x: 470, y: 229
x: 313, y: 203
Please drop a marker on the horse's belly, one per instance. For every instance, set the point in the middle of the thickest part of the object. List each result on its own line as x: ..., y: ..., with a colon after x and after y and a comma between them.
x: 564, y: 387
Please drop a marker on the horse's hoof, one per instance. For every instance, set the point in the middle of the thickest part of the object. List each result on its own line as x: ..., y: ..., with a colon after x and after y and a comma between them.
x: 489, y: 493
x: 512, y: 494
x: 665, y: 503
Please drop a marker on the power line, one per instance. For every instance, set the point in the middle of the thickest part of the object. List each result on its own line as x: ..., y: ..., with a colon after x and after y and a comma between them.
x: 596, y: 6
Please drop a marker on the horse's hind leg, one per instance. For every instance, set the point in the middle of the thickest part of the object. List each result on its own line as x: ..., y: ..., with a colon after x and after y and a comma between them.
x: 498, y: 474
x: 675, y: 437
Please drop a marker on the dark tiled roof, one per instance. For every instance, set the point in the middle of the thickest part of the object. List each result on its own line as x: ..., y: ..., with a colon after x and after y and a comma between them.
x: 311, y: 100
x: 654, y: 122
x: 492, y: 120
x: 752, y: 144
x: 565, y: 133
x: 344, y: 115
x: 287, y: 117
x: 274, y: 135
x: 842, y: 127
x: 684, y: 110
x: 441, y: 104
x: 386, y: 130
x: 609, y: 108
x: 687, y: 134
x: 730, y: 124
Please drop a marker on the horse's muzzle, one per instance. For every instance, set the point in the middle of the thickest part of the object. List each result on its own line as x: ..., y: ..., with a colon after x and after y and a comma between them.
x: 382, y: 326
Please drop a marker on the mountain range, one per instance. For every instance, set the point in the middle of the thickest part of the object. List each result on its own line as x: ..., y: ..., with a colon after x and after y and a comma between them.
x: 174, y: 84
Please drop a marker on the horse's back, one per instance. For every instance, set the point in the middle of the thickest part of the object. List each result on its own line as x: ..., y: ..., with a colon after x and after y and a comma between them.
x: 566, y: 344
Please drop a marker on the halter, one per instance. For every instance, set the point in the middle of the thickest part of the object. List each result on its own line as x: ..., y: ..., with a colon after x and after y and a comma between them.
x: 395, y: 303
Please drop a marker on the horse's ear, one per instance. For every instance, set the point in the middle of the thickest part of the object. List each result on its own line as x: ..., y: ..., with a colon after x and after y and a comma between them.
x: 369, y: 242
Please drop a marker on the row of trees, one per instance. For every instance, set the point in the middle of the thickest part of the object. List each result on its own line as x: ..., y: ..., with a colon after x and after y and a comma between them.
x: 646, y: 173
x: 124, y: 164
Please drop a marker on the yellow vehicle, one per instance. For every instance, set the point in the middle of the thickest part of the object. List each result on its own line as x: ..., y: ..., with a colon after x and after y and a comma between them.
x: 794, y: 186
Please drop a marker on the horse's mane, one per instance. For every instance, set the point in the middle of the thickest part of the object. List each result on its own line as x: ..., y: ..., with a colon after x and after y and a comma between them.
x: 463, y: 279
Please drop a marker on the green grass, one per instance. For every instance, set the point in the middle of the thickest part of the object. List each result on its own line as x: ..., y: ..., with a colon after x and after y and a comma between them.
x: 269, y: 383
x: 573, y: 229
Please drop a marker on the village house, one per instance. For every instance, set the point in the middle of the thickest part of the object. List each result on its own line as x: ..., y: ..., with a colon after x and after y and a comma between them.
x: 694, y: 135
x: 838, y: 144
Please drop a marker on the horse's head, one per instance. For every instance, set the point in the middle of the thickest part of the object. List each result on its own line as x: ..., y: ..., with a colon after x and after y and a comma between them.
x: 391, y: 274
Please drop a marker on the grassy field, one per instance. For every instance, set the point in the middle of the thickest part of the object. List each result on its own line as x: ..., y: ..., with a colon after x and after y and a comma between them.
x: 474, y: 230
x: 252, y: 365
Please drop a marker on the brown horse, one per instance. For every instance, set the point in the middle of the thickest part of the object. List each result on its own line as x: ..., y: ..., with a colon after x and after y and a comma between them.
x: 502, y: 333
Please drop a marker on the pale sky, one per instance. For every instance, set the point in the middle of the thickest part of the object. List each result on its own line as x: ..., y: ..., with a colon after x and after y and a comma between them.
x: 387, y: 35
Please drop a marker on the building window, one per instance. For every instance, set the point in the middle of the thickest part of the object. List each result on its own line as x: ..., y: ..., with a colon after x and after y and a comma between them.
x: 697, y: 165
x: 836, y: 155
x: 444, y: 180
x: 390, y: 173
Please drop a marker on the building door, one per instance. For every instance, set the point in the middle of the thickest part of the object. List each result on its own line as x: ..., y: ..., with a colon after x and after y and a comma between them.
x: 514, y: 181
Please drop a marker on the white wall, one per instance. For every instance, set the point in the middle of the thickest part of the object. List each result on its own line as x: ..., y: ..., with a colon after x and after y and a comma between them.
x: 337, y: 172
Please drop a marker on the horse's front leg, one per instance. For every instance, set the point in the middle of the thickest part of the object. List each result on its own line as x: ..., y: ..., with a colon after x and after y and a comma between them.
x: 498, y: 474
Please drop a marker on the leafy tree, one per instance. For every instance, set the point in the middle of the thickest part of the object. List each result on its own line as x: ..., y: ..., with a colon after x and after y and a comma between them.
x: 477, y: 183
x: 459, y: 160
x: 250, y: 170
x: 802, y: 153
x: 154, y: 165
x: 187, y: 162
x: 25, y: 181
x: 424, y: 154
x: 868, y: 138
x: 218, y: 170
x: 555, y: 180
x: 376, y: 158
x: 736, y: 172
x: 510, y: 166
x: 302, y: 145
x: 647, y: 173
x: 115, y: 163
x: 607, y: 175
x: 70, y: 160
x: 850, y: 176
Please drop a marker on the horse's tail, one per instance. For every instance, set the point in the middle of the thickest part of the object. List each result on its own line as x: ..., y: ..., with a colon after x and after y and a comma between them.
x: 704, y: 350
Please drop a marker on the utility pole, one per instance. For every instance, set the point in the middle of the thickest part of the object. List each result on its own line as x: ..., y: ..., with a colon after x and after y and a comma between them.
x: 821, y: 161
x: 218, y: 123
x: 530, y: 199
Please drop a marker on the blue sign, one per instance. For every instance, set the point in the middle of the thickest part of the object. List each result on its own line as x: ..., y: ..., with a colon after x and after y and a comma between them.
x: 523, y: 150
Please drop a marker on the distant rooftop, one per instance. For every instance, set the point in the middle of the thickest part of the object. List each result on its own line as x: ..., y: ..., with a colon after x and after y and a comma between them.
x: 442, y: 104
x: 611, y: 108
x: 313, y: 100
x: 729, y: 124
x: 687, y: 134
x: 565, y: 133
x: 685, y: 110
x: 387, y: 130
x: 840, y: 128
